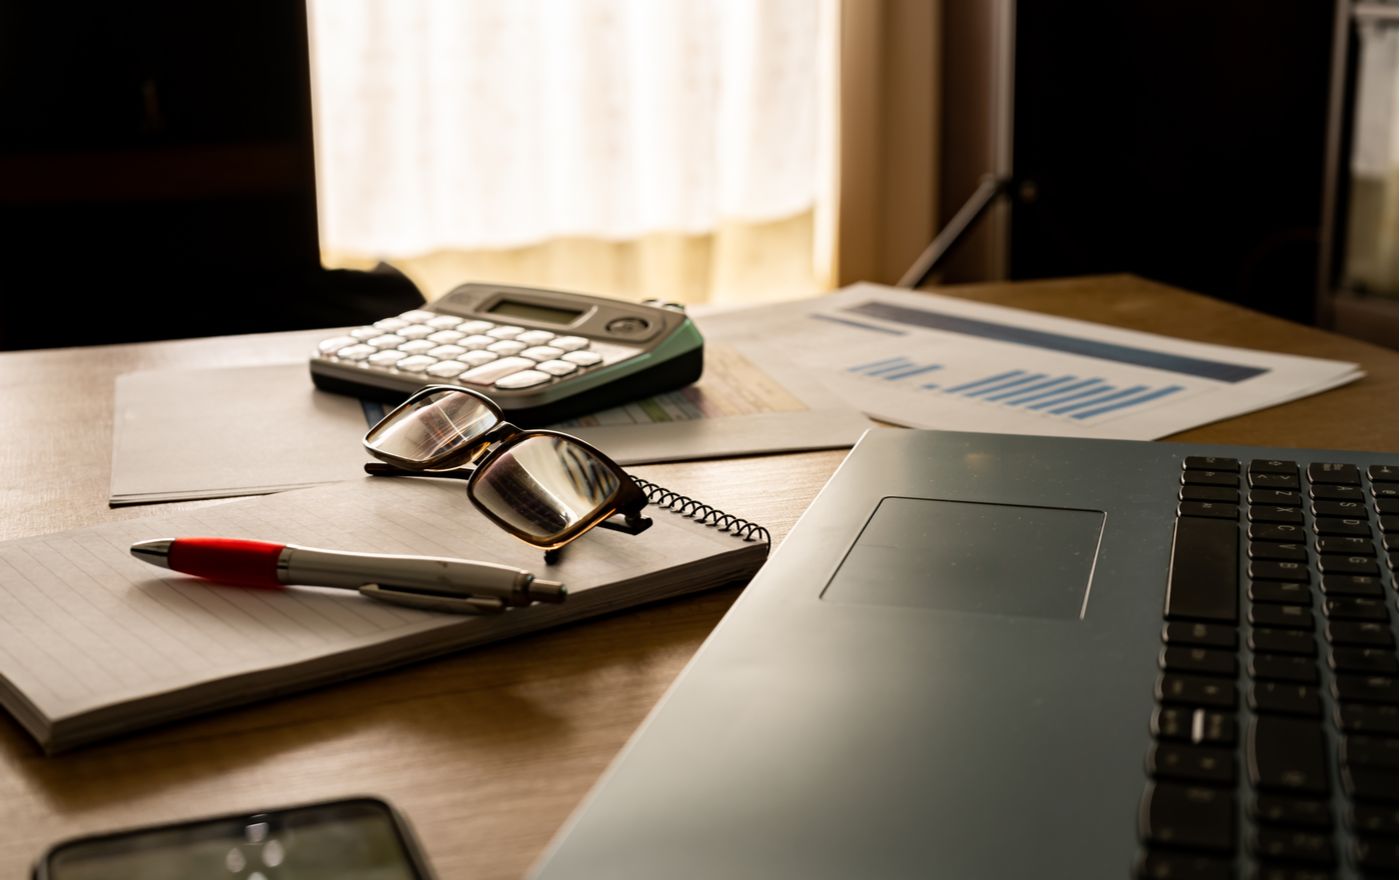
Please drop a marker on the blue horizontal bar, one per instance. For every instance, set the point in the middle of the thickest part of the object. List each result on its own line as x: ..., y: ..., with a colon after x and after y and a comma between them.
x: 1056, y: 392
x: 1134, y: 401
x: 1057, y: 400
x: 914, y: 372
x: 1021, y: 381
x: 967, y: 385
x: 1096, y: 401
x: 899, y: 364
x: 1036, y: 387
x: 880, y: 363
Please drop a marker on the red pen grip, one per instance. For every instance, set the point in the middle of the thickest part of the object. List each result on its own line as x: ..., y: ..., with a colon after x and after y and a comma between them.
x: 228, y: 560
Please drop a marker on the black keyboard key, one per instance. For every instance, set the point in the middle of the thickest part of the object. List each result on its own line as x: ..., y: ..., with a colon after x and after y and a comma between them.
x: 1334, y: 474
x: 1191, y: 763
x: 1199, y: 661
x: 1369, y: 751
x: 1190, y: 690
x: 1378, y: 858
x: 1210, y: 478
x: 1210, y: 463
x: 1207, y: 635
x: 1336, y: 493
x: 1208, y: 508
x: 1281, y: 552
x: 1373, y: 821
x: 1382, y: 473
x: 1273, y: 514
x: 1368, y: 718
x: 1293, y: 846
x: 1366, y: 689
x: 1376, y: 661
x: 1280, y: 698
x: 1203, y: 580
x: 1193, y: 725
x: 1180, y: 866
x: 1286, y: 755
x: 1281, y: 667
x: 1389, y: 506
x: 1218, y: 494
x: 1273, y: 481
x: 1346, y: 546
x: 1355, y: 608
x: 1330, y: 564
x: 1352, y: 585
x: 1279, y: 592
x: 1188, y: 816
x: 1351, y: 528
x: 1272, y: 570
x: 1282, y: 641
x: 1291, y: 872
x: 1378, y: 785
x: 1346, y: 509
x: 1281, y: 616
x: 1294, y: 812
x: 1385, y: 491
x: 1276, y: 497
x: 1280, y: 532
x: 1389, y: 522
x: 1273, y: 466
x: 1359, y: 634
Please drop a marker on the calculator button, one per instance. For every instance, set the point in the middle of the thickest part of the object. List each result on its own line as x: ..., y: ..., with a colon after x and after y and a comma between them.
x: 355, y: 352
x: 335, y: 343
x: 498, y: 369
x: 446, y: 351
x: 557, y: 368
x: 505, y: 331
x: 417, y: 346
x: 444, y: 337
x: 443, y: 322
x: 417, y: 316
x: 535, y: 337
x: 472, y: 327
x: 523, y: 379
x: 387, y: 358
x: 416, y: 363
x: 477, y: 358
x: 415, y: 331
x: 386, y: 340
x: 366, y: 332
x: 570, y: 343
x: 583, y: 358
x: 541, y: 352
x: 476, y: 341
x: 447, y: 369
x: 390, y: 325
x: 506, y: 346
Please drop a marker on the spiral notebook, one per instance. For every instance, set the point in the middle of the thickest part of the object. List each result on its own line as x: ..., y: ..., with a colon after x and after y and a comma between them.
x: 94, y: 642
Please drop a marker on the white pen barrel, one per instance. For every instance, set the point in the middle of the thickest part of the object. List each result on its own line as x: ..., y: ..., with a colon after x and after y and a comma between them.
x: 306, y: 565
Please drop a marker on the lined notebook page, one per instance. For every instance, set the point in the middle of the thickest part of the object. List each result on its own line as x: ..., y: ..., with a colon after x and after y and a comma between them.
x: 84, y: 625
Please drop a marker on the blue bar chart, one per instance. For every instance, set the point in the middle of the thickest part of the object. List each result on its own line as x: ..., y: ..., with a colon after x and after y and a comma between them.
x: 1064, y: 395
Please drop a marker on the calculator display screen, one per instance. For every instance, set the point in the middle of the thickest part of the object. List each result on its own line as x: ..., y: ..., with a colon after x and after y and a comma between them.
x: 512, y: 308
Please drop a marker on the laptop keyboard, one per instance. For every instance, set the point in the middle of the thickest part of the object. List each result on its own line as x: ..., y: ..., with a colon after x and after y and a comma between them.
x: 1273, y: 750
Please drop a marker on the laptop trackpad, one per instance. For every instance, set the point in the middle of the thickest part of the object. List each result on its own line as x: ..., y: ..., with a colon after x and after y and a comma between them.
x: 964, y: 556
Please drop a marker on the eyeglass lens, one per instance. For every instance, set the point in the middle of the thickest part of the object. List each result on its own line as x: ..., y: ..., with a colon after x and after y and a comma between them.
x: 433, y: 426
x: 543, y: 486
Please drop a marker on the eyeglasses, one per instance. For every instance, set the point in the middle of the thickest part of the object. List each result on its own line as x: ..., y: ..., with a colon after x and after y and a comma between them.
x: 544, y: 487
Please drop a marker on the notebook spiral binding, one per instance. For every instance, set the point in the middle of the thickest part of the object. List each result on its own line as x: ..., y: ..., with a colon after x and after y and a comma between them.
x: 701, y: 512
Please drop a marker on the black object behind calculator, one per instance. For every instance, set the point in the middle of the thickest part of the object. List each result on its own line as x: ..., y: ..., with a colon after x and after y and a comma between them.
x: 542, y: 355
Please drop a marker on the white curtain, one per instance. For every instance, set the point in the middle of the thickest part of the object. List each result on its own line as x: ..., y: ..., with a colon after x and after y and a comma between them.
x: 469, y: 124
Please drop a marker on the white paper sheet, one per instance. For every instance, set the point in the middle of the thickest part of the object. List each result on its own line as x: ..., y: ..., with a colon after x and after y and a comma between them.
x: 932, y: 361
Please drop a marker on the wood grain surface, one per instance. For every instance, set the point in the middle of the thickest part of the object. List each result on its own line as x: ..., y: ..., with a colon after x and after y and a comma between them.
x: 487, y: 752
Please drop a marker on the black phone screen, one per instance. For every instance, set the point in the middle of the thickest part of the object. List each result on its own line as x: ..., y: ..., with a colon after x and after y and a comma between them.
x: 360, y: 838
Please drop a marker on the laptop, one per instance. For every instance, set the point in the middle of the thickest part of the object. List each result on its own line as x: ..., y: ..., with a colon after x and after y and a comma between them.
x: 988, y: 656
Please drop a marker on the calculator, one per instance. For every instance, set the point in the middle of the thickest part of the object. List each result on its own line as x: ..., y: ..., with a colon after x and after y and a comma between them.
x: 541, y: 355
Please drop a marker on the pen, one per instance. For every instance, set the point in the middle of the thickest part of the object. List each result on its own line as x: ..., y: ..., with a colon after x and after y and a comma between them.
x: 432, y: 582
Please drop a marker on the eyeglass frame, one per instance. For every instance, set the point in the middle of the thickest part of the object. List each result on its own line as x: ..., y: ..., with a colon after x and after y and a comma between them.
x: 628, y: 500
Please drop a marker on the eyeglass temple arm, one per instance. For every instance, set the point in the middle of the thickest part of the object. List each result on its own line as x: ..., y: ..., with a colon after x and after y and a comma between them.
x: 384, y: 469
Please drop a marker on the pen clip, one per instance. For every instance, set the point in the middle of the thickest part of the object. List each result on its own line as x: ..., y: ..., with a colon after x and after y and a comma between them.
x: 433, y: 602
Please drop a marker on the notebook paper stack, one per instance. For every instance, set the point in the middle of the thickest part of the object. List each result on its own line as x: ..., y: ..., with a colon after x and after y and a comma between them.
x: 94, y: 642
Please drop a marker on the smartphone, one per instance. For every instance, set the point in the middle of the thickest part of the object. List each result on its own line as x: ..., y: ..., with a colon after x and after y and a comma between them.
x: 361, y: 838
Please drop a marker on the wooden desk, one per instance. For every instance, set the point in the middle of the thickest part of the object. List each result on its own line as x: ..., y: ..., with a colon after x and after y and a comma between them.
x: 489, y: 751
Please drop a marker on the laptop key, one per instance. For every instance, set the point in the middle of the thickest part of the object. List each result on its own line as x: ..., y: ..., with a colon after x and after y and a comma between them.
x: 1367, y: 718
x: 1281, y: 667
x: 1217, y: 494
x: 1273, y: 570
x: 1382, y: 473
x: 1209, y: 635
x: 1295, y: 812
x: 1279, y: 532
x: 1282, y: 641
x: 1179, y: 866
x: 1278, y: 497
x: 1346, y: 546
x: 1280, y: 592
x: 1211, y: 509
x: 1199, y: 661
x: 1334, y: 474
x: 1336, y: 493
x: 1330, y: 564
x: 1376, y: 856
x: 1193, y: 725
x: 1373, y: 820
x: 1286, y: 755
x: 1352, y: 528
x: 1355, y: 608
x: 1282, y: 616
x: 1375, y: 784
x: 1274, y: 514
x: 1352, y: 585
x: 1373, y: 660
x: 1285, y: 699
x: 1188, y: 816
x: 1210, y: 478
x: 1191, y: 763
x: 1363, y: 634
x: 1273, y: 466
x: 1365, y: 689
x: 1293, y: 846
x: 1273, y: 481
x: 1348, y: 509
x: 1210, y: 463
x: 1191, y: 690
x: 1203, y: 579
x: 1369, y: 751
x: 1277, y: 551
